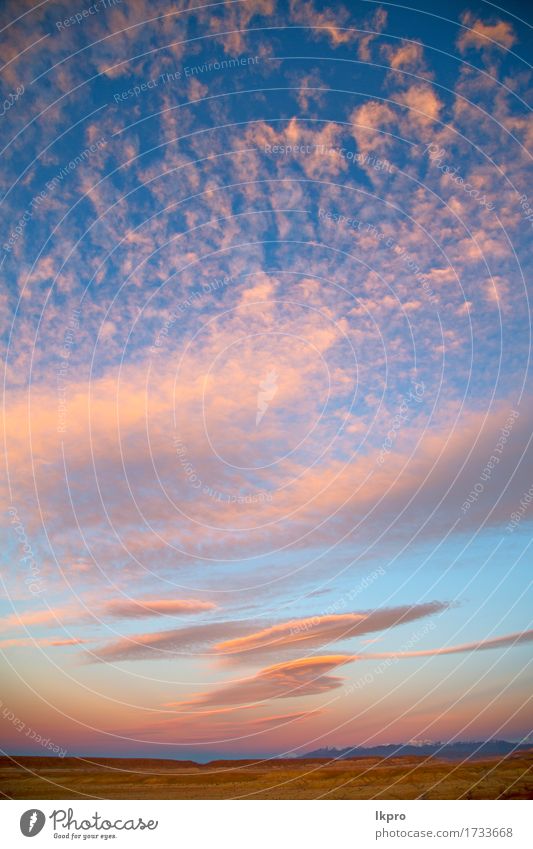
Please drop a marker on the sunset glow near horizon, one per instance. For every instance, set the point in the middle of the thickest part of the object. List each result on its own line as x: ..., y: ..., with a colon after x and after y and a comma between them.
x: 267, y: 407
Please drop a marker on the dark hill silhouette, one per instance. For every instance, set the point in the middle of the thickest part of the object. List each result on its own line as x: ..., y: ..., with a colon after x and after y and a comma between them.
x: 457, y: 751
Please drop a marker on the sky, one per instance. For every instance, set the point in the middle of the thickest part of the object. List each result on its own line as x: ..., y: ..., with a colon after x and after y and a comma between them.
x: 267, y: 394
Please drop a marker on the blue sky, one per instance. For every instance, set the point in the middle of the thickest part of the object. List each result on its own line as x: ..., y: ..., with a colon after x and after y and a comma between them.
x: 267, y: 388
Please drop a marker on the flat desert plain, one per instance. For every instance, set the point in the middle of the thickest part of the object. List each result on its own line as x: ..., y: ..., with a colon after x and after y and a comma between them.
x: 361, y: 778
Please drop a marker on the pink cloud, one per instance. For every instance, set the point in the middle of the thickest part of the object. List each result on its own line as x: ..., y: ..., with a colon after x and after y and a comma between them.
x: 423, y: 103
x: 28, y: 641
x: 158, y: 645
x: 320, y: 630
x: 480, y: 35
x: 305, y: 677
x: 491, y: 643
x: 54, y: 616
x: 242, y: 639
x: 144, y: 607
x: 219, y: 724
x: 117, y: 608
x: 310, y: 675
x: 328, y: 23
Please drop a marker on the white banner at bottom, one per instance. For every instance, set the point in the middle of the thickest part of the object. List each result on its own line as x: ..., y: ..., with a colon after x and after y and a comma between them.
x: 251, y: 824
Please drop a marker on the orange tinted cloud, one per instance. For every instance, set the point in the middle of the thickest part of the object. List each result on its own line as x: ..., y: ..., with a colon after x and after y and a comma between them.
x: 481, y: 645
x: 310, y: 675
x: 219, y: 724
x: 145, y: 607
x: 327, y: 23
x: 162, y: 644
x: 480, y: 35
x: 42, y: 617
x: 305, y: 677
x: 28, y: 641
x: 117, y: 608
x: 318, y: 630
x: 242, y: 637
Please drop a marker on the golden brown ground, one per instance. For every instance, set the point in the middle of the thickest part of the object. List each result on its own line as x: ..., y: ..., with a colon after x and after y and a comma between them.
x: 397, y: 778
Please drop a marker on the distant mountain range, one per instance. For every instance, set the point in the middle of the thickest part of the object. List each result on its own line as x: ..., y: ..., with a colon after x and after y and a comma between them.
x: 448, y: 751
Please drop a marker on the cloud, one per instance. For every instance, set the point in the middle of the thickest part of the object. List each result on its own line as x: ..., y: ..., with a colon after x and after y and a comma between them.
x: 218, y: 724
x: 140, y: 608
x: 241, y: 639
x: 160, y: 645
x: 310, y: 676
x: 424, y: 104
x: 52, y: 616
x: 28, y: 641
x: 328, y: 24
x: 481, y: 645
x: 484, y: 36
x: 409, y: 55
x: 320, y: 630
x: 304, y: 677
x: 429, y: 460
x: 116, y: 608
x: 376, y: 22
